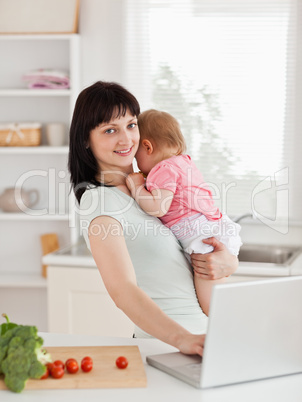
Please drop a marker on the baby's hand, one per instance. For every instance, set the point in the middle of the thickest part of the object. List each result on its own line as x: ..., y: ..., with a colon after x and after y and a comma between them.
x: 134, y: 180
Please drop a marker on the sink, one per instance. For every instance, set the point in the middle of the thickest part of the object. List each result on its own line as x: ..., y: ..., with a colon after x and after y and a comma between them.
x: 271, y: 260
x: 268, y: 254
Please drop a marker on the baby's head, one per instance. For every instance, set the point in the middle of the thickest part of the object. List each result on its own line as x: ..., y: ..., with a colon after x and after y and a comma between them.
x: 160, y: 138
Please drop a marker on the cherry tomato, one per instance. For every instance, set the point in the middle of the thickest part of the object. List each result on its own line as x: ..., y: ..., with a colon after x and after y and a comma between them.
x: 121, y: 362
x: 87, y: 358
x: 86, y: 364
x: 57, y: 372
x: 72, y: 366
x: 49, y: 366
x: 59, y: 363
x: 46, y: 375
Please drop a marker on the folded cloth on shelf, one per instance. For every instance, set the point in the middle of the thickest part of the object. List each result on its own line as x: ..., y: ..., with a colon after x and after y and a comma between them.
x: 47, y: 78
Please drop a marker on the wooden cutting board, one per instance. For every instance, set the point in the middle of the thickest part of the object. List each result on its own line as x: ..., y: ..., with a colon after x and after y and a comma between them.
x: 104, y: 374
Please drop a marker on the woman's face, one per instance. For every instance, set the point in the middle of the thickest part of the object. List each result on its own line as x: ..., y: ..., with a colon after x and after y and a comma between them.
x: 114, y: 144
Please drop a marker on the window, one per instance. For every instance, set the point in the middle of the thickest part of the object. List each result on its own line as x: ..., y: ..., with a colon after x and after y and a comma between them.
x: 228, y: 71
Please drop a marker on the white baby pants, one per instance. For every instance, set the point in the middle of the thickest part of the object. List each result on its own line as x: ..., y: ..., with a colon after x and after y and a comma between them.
x: 191, y: 231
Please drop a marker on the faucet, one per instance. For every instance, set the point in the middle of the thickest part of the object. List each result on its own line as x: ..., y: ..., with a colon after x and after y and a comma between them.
x: 243, y: 216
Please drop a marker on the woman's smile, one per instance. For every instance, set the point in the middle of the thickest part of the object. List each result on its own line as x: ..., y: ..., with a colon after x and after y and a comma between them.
x: 124, y: 152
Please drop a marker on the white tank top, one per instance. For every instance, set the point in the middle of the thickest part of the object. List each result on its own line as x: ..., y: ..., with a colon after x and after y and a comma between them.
x: 161, y: 268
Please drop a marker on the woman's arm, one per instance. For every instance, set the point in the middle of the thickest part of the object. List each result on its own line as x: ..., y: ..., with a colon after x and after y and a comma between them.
x: 216, y: 265
x: 111, y: 255
x: 155, y: 203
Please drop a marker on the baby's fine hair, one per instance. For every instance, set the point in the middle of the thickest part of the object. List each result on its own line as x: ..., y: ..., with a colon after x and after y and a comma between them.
x: 161, y: 129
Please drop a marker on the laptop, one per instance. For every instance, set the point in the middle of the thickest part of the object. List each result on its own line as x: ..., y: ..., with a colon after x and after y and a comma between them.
x: 254, y: 332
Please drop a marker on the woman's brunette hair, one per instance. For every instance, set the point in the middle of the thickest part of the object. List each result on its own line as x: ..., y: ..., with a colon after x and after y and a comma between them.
x: 97, y: 104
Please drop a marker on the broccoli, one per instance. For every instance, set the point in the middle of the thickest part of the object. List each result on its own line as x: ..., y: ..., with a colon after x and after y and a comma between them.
x: 21, y: 356
x: 7, y: 325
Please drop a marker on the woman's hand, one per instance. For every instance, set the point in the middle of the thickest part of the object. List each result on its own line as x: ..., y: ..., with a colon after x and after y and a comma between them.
x: 191, y: 344
x: 218, y: 264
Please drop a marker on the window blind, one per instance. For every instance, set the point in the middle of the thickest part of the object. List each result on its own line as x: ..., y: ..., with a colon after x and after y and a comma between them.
x: 229, y: 71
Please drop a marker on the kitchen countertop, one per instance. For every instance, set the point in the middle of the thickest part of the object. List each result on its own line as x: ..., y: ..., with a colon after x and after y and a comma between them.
x: 161, y: 386
x: 78, y: 255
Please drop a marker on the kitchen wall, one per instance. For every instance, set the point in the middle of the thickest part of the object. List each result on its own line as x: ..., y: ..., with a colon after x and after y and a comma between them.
x: 101, y: 40
x: 101, y: 29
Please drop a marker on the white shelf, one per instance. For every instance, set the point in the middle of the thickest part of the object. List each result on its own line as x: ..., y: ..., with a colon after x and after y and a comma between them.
x: 20, y: 216
x: 42, y: 149
x: 52, y: 51
x: 27, y: 37
x: 34, y: 92
x: 22, y: 281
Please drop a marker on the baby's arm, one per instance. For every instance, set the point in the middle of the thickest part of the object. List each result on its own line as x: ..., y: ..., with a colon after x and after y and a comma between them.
x: 155, y: 203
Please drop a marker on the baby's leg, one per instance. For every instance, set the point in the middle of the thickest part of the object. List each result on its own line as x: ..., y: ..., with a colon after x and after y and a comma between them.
x: 203, y: 289
x: 196, y: 246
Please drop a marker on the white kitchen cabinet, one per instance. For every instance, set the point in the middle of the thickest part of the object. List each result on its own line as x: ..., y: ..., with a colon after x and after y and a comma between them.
x: 41, y: 167
x: 78, y: 303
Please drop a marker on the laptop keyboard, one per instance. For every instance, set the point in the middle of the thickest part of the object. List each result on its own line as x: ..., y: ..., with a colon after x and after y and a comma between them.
x: 192, y: 370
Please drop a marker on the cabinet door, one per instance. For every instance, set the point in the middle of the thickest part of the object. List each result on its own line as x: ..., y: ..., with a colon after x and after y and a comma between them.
x: 78, y: 303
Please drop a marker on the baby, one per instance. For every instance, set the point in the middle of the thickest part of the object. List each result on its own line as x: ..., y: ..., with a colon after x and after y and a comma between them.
x: 175, y: 191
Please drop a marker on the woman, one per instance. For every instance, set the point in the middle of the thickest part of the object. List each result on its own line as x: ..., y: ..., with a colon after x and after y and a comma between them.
x: 140, y: 261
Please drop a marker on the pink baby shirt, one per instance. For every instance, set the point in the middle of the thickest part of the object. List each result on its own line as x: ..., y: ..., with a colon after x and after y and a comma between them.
x: 180, y: 175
